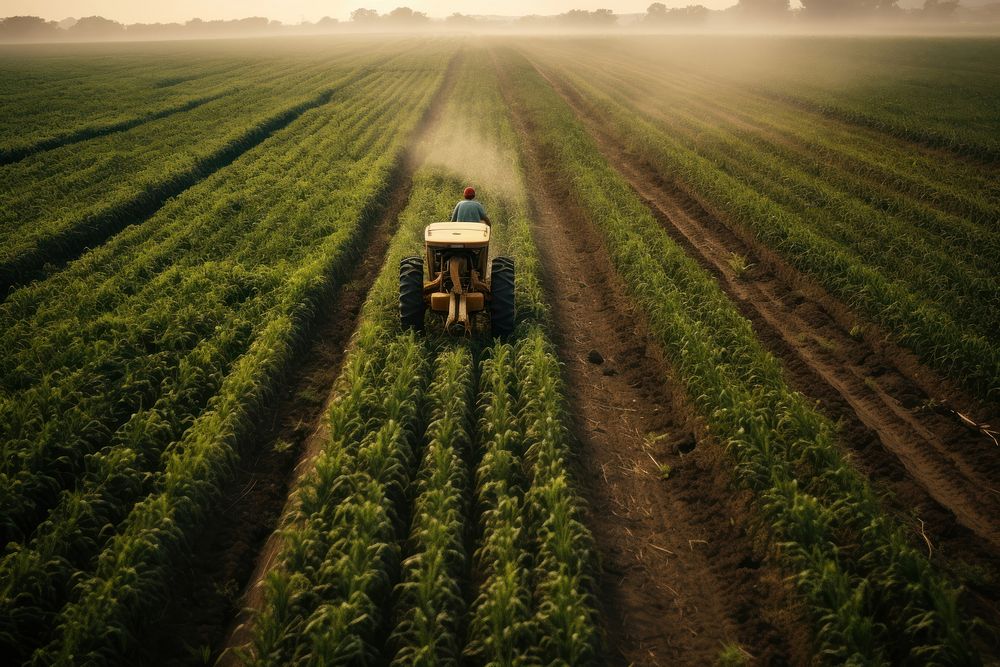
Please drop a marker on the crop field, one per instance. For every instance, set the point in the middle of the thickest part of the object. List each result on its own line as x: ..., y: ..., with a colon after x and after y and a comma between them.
x: 744, y: 416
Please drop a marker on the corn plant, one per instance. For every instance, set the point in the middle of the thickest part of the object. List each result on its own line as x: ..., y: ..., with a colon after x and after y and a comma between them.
x: 563, y: 621
x: 341, y: 547
x: 562, y: 574
x: 430, y: 602
x: 926, y: 276
x: 501, y: 630
x: 468, y: 588
x: 875, y: 597
x: 182, y: 296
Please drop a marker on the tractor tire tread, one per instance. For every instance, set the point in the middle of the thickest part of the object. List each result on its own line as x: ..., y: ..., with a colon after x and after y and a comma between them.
x: 411, y: 293
x: 502, y: 312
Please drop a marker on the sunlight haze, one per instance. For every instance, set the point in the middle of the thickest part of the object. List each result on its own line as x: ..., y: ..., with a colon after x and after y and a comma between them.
x: 295, y: 11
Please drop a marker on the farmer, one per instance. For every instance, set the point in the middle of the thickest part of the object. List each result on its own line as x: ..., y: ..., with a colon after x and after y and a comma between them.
x: 469, y: 210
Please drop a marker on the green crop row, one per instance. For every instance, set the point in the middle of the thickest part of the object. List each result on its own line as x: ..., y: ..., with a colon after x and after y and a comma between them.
x: 50, y: 392
x: 944, y: 200
x: 906, y: 87
x: 951, y: 197
x: 198, y: 459
x: 947, y: 201
x: 948, y: 261
x: 886, y: 280
x: 875, y: 598
x: 429, y: 601
x: 325, y: 599
x: 528, y: 607
x: 563, y: 620
x: 92, y: 131
x: 62, y: 201
x: 325, y: 604
x: 501, y: 631
x: 524, y: 596
x: 562, y: 569
x: 55, y: 96
x: 957, y: 280
x: 59, y: 95
x: 522, y: 386
x: 938, y: 134
x: 164, y: 344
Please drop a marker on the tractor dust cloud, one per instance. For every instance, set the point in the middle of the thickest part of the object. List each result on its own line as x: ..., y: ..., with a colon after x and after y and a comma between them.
x: 113, y: 21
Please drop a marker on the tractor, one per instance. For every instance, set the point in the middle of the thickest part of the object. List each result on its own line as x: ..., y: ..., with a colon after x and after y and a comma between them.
x: 456, y: 285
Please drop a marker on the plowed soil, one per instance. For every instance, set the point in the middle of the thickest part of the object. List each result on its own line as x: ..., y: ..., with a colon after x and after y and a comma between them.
x: 681, y: 578
x: 903, y: 425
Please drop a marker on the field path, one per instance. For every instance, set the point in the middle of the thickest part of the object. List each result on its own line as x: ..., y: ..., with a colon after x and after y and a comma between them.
x: 213, y: 602
x: 680, y: 577
x: 891, y: 411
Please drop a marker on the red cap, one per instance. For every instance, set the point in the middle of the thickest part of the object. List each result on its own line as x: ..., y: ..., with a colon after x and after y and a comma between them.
x: 470, y: 193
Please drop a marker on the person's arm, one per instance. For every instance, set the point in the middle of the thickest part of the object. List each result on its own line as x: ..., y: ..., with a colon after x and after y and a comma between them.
x: 482, y: 215
x: 486, y: 219
x: 454, y: 213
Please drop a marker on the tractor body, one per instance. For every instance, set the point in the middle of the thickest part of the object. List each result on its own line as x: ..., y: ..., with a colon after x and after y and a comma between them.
x: 452, y: 280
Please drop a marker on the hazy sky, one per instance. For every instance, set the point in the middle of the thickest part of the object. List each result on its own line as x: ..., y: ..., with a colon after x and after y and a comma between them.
x: 293, y: 11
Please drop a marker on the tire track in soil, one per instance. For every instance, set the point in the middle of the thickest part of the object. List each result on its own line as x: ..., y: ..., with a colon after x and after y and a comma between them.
x: 213, y: 598
x: 937, y: 468
x: 681, y: 576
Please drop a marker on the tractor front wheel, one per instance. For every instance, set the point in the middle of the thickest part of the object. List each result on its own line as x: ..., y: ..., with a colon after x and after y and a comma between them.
x: 502, y: 297
x: 411, y: 293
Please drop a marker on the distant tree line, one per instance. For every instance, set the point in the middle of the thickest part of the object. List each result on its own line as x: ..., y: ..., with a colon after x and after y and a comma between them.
x: 399, y: 16
x: 33, y: 28
x: 814, y: 11
x: 658, y: 15
x: 404, y: 16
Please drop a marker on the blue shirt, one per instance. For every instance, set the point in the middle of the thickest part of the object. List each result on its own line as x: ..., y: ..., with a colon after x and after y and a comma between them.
x: 468, y: 210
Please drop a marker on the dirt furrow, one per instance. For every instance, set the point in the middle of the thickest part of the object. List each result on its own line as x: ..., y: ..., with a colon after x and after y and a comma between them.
x: 923, y: 442
x: 681, y: 579
x: 891, y: 418
x: 211, y: 609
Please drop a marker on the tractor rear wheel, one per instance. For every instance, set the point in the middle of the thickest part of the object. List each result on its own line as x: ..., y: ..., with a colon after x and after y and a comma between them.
x: 502, y: 301
x: 411, y: 293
